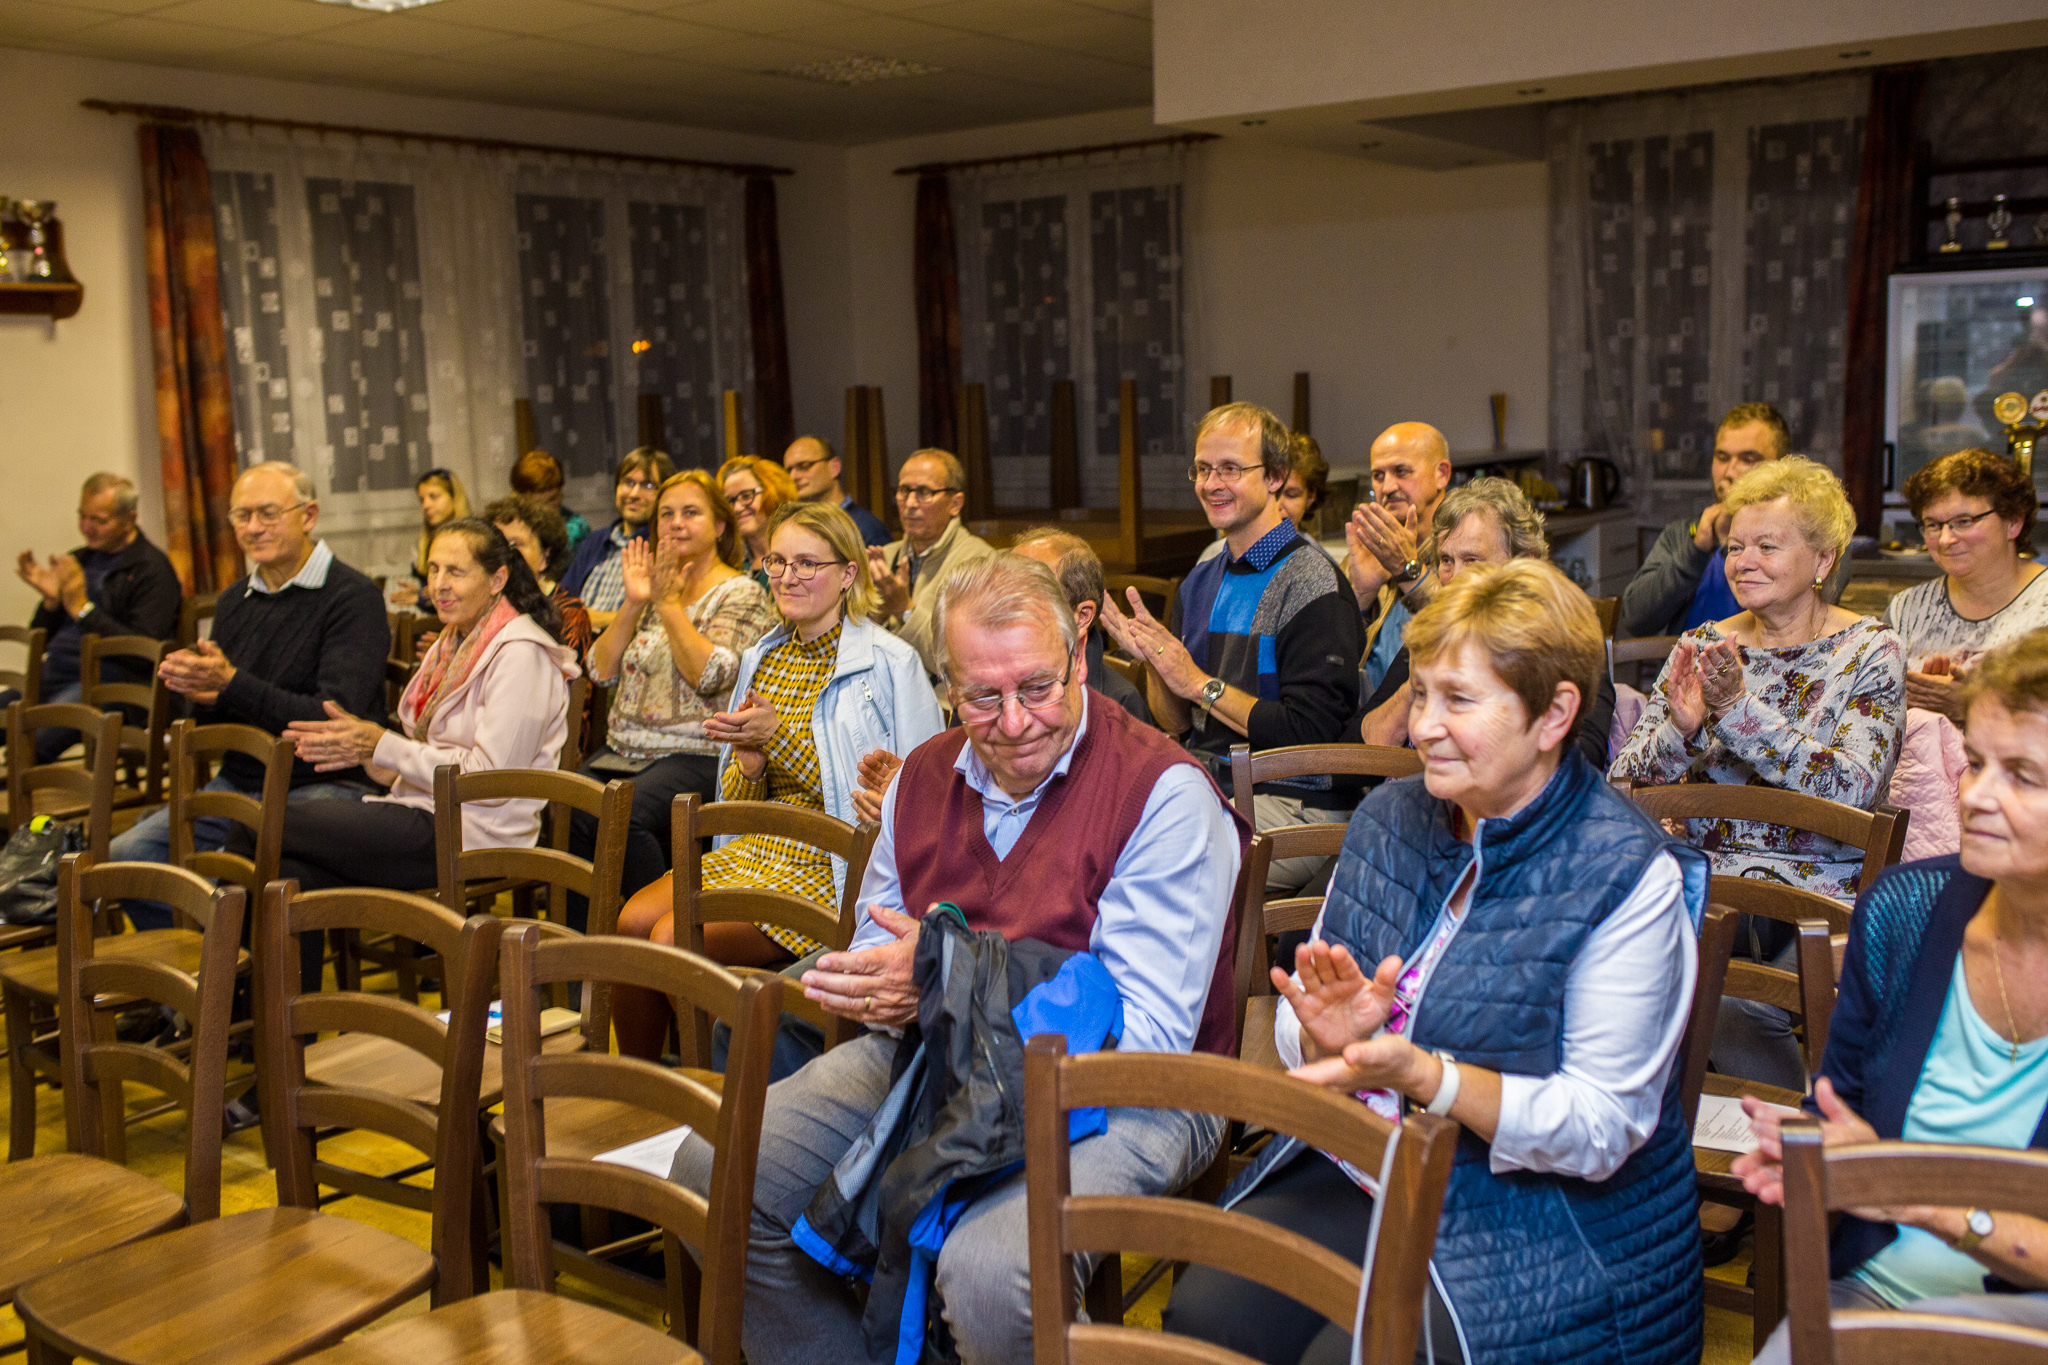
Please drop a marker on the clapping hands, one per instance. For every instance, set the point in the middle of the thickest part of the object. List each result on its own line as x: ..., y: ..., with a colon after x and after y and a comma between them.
x: 1703, y: 682
x: 877, y: 770
x: 636, y: 571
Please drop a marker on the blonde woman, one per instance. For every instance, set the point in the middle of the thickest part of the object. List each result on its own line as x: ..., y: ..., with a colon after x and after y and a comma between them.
x: 756, y: 488
x: 442, y: 500
x: 672, y: 651
x: 820, y: 693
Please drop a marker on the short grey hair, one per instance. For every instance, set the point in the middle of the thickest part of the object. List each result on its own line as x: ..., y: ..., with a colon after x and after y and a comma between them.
x: 1511, y: 510
x: 302, y: 482
x: 1002, y: 590
x: 956, y: 473
x: 1078, y: 567
x: 120, y: 485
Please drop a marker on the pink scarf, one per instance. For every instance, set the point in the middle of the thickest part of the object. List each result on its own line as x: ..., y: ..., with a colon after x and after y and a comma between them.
x: 447, y: 667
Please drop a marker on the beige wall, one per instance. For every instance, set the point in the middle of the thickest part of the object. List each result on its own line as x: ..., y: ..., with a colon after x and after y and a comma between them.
x: 82, y: 398
x: 1404, y: 294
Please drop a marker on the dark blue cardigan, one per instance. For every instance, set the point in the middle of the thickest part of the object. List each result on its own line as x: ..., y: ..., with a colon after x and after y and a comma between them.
x: 595, y: 549
x: 1903, y: 942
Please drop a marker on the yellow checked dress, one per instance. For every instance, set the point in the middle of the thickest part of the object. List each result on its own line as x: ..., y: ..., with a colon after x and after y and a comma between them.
x: 791, y: 675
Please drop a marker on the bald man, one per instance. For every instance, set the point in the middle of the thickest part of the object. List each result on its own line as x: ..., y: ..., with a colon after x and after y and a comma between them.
x: 1388, y: 563
x: 814, y: 469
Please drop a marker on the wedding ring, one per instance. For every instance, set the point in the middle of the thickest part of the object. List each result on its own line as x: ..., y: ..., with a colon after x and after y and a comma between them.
x: 867, y: 1005
x: 1159, y: 649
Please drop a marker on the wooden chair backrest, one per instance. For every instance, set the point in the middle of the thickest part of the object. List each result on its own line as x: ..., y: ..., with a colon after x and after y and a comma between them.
x: 1284, y: 915
x: 572, y: 743
x: 1641, y: 649
x: 295, y: 1110
x: 406, y: 628
x: 1247, y: 924
x: 691, y: 821
x: 1062, y: 1224
x: 1818, y: 1182
x: 198, y: 1084
x: 1161, y: 596
x: 194, y: 748
x: 142, y: 745
x: 1808, y: 990
x: 28, y: 679
x: 1248, y: 769
x: 1880, y: 833
x: 397, y: 674
x: 195, y: 608
x: 1130, y: 670
x: 550, y: 863
x: 1717, y: 943
x: 1608, y: 610
x: 729, y: 1118
x: 92, y: 784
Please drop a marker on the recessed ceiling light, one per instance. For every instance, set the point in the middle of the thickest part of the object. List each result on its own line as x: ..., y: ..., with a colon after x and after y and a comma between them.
x: 857, y: 70
x: 381, y: 6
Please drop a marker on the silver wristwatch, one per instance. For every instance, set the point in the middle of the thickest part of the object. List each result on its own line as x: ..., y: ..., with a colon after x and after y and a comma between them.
x: 1211, y: 693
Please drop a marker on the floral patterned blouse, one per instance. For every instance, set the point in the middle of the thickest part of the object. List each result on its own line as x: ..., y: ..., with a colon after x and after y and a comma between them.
x: 657, y: 711
x: 1823, y: 718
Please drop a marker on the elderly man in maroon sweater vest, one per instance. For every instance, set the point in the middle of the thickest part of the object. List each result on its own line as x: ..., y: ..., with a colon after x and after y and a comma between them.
x: 1047, y: 814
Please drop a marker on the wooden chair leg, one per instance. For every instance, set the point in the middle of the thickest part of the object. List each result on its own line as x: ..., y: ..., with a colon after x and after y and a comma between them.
x: 1768, y: 1307
x: 113, y: 1099
x: 1105, y: 1296
x: 41, y: 1352
x: 21, y: 1126
x: 685, y: 1290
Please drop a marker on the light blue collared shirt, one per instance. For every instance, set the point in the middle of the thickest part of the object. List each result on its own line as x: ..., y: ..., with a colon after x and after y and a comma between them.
x: 312, y: 575
x: 1161, y: 919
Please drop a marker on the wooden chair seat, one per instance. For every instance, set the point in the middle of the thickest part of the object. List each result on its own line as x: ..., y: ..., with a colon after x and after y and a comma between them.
x: 391, y: 1068
x: 246, y: 1290
x: 34, y: 973
x: 579, y: 1129
x: 65, y: 1207
x: 1713, y: 1165
x: 513, y: 1327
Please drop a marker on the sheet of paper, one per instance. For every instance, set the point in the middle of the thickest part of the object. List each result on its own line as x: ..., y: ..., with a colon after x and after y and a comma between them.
x: 496, y: 1019
x: 1723, y: 1127
x: 654, y: 1155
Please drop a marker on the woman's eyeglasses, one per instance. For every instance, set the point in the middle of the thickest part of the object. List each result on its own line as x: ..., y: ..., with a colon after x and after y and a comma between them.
x: 802, y: 570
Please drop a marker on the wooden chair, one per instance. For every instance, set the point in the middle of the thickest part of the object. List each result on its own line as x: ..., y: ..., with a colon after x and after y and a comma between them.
x: 1130, y: 670
x: 63, y: 790
x: 1161, y: 596
x: 1822, y: 1181
x: 274, y: 1284
x: 1268, y: 920
x: 142, y: 746
x: 195, y: 610
x: 544, y: 1170
x: 1880, y: 833
x: 511, y: 1327
x: 72, y: 1205
x: 1808, y: 994
x: 1608, y: 610
x: 1645, y: 654
x: 1248, y: 769
x: 195, y: 748
x: 1063, y: 1225
x: 406, y: 629
x: 28, y: 679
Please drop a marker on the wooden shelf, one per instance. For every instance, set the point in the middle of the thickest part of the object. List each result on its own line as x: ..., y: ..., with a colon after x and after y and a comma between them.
x: 53, y: 301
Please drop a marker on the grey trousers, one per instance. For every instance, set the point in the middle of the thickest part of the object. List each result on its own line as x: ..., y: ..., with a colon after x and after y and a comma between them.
x: 1288, y: 876
x: 1755, y: 1041
x: 2021, y: 1310
x: 799, y: 1313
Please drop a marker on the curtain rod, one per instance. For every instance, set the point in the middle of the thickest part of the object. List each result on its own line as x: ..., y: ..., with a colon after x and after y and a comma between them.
x: 941, y: 167
x: 173, y: 114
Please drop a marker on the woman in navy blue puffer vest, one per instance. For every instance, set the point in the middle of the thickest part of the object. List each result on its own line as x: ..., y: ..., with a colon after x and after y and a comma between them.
x: 1508, y: 940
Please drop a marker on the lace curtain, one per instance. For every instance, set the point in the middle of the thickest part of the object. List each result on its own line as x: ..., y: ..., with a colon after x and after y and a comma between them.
x: 1699, y: 258
x: 386, y: 303
x: 1079, y: 272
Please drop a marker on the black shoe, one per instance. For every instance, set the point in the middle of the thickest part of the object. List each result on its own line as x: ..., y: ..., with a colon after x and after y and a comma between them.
x: 1719, y: 1248
x: 241, y: 1115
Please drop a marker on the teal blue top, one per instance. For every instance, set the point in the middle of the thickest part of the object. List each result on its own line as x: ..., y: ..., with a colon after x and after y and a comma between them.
x: 1970, y: 1091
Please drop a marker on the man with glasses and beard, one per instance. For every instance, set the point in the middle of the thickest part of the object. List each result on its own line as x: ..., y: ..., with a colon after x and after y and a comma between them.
x: 300, y: 630
x: 930, y: 491
x: 814, y: 469
x: 595, y: 572
x: 1269, y: 639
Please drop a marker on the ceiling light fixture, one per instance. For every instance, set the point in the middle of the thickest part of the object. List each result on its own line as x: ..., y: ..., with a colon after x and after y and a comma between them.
x: 381, y: 6
x: 856, y: 70
x: 2024, y: 301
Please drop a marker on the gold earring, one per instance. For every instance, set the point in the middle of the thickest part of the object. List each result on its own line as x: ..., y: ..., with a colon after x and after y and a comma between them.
x: 1820, y: 582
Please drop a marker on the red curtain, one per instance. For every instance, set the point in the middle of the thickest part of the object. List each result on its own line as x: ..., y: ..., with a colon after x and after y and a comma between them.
x: 194, y: 407
x: 1887, y: 217
x: 937, y: 278
x: 774, y: 416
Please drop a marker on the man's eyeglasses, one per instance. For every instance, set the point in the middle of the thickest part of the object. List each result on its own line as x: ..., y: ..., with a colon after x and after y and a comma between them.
x: 802, y: 570
x: 912, y: 492
x: 803, y: 466
x: 633, y: 485
x: 1040, y: 694
x: 1229, y: 473
x: 1954, y: 525
x: 260, y: 516
x: 743, y: 499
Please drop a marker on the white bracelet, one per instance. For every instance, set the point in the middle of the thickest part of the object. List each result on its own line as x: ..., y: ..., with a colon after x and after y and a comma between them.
x: 1447, y: 1089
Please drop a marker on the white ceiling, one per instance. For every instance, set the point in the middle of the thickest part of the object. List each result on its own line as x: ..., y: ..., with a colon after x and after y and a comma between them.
x: 700, y: 63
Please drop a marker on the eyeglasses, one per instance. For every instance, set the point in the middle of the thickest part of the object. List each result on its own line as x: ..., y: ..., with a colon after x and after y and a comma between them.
x: 743, y: 499
x: 1954, y: 525
x: 639, y: 485
x: 802, y: 570
x: 909, y: 492
x: 803, y: 466
x: 1229, y: 473
x: 1040, y: 694
x: 260, y: 516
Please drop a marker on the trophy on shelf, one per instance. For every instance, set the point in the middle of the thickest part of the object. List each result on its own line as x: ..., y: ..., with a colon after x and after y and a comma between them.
x: 2000, y: 223
x: 37, y: 213
x: 1954, y: 223
x: 2012, y: 410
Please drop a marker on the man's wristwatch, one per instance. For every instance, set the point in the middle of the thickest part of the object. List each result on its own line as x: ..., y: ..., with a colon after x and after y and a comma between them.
x: 1977, y: 1226
x: 1211, y: 693
x: 1410, y: 571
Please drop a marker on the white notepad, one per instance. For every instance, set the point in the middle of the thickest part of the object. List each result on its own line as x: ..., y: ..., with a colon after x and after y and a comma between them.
x: 1723, y: 1127
x: 654, y: 1155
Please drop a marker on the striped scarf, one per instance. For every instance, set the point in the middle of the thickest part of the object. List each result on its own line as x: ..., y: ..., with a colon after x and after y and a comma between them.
x: 447, y: 667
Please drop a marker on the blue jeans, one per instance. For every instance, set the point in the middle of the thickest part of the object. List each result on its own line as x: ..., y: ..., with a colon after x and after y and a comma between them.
x: 149, y: 839
x: 798, y: 1312
x: 50, y: 744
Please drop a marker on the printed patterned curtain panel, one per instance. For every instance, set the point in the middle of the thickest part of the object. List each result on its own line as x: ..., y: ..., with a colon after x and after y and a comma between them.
x: 1078, y: 273
x: 385, y: 305
x: 1699, y: 259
